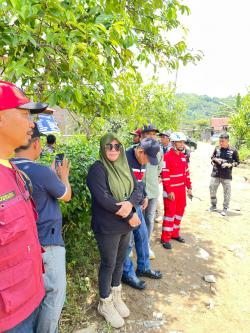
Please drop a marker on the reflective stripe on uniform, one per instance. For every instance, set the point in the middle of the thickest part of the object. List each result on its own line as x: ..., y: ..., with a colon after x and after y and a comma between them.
x: 170, y: 219
x: 176, y: 226
x: 167, y: 229
x: 163, y: 179
x: 174, y: 176
x: 179, y: 184
x: 178, y: 217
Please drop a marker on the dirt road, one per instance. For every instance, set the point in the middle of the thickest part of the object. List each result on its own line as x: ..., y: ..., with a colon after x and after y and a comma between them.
x: 182, y: 301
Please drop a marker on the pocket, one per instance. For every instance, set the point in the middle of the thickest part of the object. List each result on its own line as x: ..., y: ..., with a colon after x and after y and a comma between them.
x: 13, y: 222
x: 17, y: 285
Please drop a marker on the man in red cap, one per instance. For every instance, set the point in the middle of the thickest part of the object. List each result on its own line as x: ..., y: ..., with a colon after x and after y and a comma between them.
x: 21, y: 282
x: 137, y: 136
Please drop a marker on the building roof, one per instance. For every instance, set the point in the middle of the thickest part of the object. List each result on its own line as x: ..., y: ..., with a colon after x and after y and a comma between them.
x: 219, y: 124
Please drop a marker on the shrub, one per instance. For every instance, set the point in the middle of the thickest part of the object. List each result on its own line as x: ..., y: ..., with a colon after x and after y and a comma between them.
x: 244, y: 152
x: 82, y: 255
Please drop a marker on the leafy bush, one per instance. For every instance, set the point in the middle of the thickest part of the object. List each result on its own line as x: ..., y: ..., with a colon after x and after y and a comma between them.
x: 76, y: 213
x: 244, y: 152
x: 82, y: 254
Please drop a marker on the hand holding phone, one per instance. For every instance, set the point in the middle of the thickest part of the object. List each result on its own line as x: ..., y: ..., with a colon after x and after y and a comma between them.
x: 63, y: 169
x: 59, y: 159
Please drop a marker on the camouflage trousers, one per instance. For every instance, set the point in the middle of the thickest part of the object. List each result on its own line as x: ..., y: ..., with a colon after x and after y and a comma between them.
x: 214, y: 184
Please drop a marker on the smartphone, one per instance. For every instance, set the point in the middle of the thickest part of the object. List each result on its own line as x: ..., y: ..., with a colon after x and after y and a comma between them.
x: 59, y: 159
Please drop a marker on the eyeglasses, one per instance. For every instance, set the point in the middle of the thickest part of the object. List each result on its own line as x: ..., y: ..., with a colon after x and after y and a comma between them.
x: 116, y: 146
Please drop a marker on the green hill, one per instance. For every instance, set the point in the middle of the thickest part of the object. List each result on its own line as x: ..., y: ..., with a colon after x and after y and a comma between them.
x: 204, y: 107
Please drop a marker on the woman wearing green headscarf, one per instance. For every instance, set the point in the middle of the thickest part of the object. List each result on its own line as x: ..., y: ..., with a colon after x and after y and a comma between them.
x: 115, y: 194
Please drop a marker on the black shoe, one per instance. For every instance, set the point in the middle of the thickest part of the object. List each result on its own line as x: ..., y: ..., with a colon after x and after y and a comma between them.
x: 179, y: 239
x: 134, y: 283
x: 150, y: 274
x: 167, y: 245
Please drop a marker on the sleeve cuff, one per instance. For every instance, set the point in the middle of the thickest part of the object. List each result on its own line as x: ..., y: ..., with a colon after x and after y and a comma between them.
x: 126, y: 219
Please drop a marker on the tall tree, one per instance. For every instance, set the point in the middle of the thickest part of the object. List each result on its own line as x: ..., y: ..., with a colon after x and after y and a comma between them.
x: 81, y: 54
x: 240, y: 121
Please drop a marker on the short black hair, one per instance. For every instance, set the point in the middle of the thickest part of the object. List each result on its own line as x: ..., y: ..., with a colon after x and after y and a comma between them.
x: 224, y: 136
x: 51, y: 139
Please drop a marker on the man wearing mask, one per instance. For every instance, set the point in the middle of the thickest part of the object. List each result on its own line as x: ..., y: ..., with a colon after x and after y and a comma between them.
x: 21, y: 281
x: 175, y: 179
x: 224, y: 158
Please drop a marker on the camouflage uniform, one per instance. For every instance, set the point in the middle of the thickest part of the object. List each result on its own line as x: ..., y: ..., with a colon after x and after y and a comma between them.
x: 214, y: 184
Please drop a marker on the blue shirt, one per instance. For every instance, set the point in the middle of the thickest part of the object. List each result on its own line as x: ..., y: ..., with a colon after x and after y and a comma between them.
x: 47, y: 188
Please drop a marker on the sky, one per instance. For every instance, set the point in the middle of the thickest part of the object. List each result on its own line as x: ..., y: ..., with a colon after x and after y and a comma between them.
x: 221, y: 29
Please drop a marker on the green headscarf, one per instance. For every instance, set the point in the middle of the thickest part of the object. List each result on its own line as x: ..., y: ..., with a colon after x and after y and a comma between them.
x: 120, y: 180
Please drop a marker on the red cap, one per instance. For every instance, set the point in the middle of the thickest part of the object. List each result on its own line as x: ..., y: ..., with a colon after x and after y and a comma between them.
x: 12, y: 97
x: 137, y: 132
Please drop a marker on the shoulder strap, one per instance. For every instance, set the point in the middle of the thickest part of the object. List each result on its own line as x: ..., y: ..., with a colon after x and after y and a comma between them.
x: 26, y: 182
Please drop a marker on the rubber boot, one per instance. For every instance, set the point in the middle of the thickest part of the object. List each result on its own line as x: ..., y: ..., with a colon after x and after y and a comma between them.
x: 107, y: 309
x: 120, y: 306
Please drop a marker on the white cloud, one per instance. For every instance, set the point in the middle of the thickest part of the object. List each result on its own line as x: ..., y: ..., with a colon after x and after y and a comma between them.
x: 220, y: 28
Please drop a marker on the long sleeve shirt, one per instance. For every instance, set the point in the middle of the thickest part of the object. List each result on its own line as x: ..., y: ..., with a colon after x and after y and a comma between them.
x: 224, y: 155
x: 104, y: 208
x: 137, y: 169
x: 151, y: 179
x: 175, y: 172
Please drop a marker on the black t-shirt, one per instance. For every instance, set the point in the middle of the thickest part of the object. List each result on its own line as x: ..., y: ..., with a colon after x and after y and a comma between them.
x: 228, y: 155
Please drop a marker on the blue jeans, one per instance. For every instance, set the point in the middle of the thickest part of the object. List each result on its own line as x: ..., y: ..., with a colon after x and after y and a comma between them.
x: 55, y: 286
x: 141, y: 245
x: 27, y: 325
x: 150, y: 215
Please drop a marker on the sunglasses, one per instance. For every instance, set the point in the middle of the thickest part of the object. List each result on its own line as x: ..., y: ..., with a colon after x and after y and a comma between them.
x: 116, y: 146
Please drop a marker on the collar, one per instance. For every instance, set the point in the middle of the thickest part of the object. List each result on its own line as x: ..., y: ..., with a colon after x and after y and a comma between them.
x: 20, y: 160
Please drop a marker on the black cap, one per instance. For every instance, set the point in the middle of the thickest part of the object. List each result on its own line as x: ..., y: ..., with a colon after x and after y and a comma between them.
x: 224, y: 136
x: 151, y: 148
x: 34, y: 107
x: 149, y: 128
x: 36, y: 133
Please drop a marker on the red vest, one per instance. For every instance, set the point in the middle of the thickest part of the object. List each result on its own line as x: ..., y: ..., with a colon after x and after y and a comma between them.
x: 21, y: 281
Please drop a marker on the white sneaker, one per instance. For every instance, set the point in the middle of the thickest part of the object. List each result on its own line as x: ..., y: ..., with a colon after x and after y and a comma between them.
x: 119, y: 304
x: 107, y: 309
x: 151, y: 254
x: 224, y: 212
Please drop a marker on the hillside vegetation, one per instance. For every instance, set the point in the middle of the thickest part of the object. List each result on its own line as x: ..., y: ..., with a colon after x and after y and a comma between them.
x: 204, y: 107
